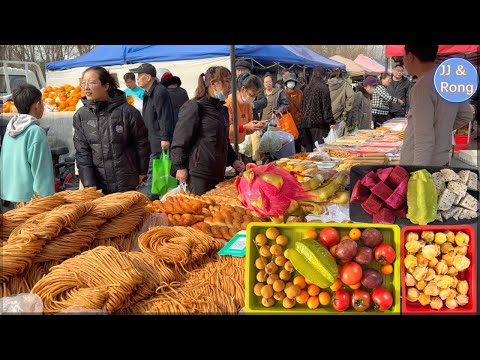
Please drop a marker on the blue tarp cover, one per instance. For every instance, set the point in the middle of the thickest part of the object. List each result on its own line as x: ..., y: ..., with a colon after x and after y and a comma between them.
x: 105, y: 55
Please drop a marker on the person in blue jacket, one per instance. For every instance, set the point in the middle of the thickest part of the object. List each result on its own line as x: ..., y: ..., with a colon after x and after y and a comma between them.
x: 26, y: 161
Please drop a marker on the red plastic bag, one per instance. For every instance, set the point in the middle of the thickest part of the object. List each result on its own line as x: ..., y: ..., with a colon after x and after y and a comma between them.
x: 287, y: 124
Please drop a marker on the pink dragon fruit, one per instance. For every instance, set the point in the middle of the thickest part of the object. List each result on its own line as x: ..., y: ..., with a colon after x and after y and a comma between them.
x: 269, y: 190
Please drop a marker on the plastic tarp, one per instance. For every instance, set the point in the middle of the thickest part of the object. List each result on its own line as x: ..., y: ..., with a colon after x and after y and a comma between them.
x: 398, y: 50
x: 368, y: 63
x: 353, y: 68
x: 122, y: 54
x: 101, y: 55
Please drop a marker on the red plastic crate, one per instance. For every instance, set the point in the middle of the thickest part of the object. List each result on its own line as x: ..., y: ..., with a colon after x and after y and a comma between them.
x: 462, y: 139
x: 415, y: 308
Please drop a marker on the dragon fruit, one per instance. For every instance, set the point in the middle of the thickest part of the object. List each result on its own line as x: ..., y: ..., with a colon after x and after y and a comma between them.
x: 270, y: 190
x: 360, y: 193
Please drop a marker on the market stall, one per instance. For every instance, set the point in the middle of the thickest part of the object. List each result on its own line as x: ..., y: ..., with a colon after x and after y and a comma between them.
x: 345, y: 236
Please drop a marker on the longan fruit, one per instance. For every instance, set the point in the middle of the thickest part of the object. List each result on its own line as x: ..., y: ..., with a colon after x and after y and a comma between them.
x: 276, y: 250
x: 272, y: 233
x: 279, y: 295
x: 257, y: 288
x: 260, y: 263
x: 281, y: 240
x: 285, y: 254
x: 271, y: 268
x: 284, y: 275
x: 280, y: 260
x: 261, y: 239
x: 265, y: 251
x: 288, y: 303
x: 278, y: 285
x: 267, y: 291
x: 272, y: 278
x: 289, y: 266
x: 268, y: 302
x: 261, y: 276
x: 293, y: 291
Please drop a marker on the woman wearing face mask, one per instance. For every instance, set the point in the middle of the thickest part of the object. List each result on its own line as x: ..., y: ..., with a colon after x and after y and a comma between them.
x: 201, y: 147
x: 110, y: 136
x: 250, y: 86
x: 294, y: 97
x: 361, y: 114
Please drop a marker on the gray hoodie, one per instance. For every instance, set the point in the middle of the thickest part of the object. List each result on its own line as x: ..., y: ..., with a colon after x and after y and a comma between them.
x: 20, y: 123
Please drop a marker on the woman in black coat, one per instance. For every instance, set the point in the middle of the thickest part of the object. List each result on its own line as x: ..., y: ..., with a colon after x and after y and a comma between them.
x: 201, y: 147
x: 110, y: 136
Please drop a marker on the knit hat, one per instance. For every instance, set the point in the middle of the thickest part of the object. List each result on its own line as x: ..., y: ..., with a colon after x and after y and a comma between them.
x: 370, y: 80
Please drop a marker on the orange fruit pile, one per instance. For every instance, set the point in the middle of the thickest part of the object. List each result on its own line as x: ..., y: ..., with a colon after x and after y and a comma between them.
x: 63, y: 98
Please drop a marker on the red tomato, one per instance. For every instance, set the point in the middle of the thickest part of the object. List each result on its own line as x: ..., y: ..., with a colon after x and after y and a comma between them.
x: 384, y: 254
x: 329, y: 236
x: 351, y: 273
x: 382, y: 299
x: 341, y: 300
x: 361, y: 300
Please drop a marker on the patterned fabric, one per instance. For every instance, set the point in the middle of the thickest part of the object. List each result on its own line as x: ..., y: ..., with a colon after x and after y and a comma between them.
x: 381, y: 100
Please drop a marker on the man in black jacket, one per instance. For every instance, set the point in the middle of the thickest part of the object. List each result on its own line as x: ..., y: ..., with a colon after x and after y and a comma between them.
x: 157, y: 114
x: 398, y: 88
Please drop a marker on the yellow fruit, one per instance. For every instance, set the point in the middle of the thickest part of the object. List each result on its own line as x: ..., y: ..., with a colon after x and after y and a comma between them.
x: 303, y: 297
x: 261, y: 239
x: 313, y: 302
x: 272, y: 233
x: 281, y: 240
x: 310, y: 234
x: 300, y: 281
x: 324, y: 298
x: 276, y: 250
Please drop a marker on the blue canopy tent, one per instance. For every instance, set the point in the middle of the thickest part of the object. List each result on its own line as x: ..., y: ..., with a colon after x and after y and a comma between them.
x: 105, y: 55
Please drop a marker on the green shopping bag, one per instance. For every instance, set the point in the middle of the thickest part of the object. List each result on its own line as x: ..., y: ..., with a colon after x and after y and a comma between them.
x: 162, y: 181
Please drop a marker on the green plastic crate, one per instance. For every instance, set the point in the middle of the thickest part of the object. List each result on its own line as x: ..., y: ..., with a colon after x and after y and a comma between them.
x: 295, y: 231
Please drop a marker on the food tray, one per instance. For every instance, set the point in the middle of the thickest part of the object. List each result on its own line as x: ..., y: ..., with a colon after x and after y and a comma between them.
x: 295, y: 231
x: 357, y: 213
x: 469, y: 274
x: 469, y: 157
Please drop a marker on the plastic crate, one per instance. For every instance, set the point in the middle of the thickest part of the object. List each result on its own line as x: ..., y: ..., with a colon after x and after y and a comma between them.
x: 462, y: 142
x: 469, y: 157
x: 295, y: 231
x: 470, y: 274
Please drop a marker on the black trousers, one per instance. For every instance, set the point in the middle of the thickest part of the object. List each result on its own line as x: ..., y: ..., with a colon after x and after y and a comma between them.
x: 298, y: 145
x: 392, y: 115
x: 378, y: 120
x: 309, y: 136
x: 200, y: 186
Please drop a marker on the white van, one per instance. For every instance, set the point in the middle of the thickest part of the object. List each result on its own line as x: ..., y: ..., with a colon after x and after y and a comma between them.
x: 12, y: 77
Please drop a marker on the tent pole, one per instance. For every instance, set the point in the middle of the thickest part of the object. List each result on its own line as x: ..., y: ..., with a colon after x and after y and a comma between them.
x: 234, y: 100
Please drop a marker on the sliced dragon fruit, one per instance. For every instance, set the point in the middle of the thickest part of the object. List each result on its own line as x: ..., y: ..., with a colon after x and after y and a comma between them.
x: 399, y: 196
x: 396, y: 177
x: 372, y: 205
x: 382, y: 191
x: 370, y: 180
x: 360, y: 193
x: 384, y: 173
x: 384, y: 216
x: 402, y: 211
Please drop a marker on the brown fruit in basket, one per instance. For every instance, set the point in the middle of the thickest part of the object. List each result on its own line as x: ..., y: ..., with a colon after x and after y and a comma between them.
x: 288, y: 303
x: 278, y: 285
x: 272, y: 278
x: 285, y: 275
x: 271, y: 268
x: 276, y: 250
x: 280, y: 260
x: 279, y: 295
x: 260, y: 263
x: 272, y: 233
x: 265, y: 251
x: 257, y: 289
x: 261, y: 239
x: 281, y: 240
x: 261, y: 276
x: 268, y: 302
x: 267, y: 291
x: 293, y: 291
